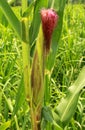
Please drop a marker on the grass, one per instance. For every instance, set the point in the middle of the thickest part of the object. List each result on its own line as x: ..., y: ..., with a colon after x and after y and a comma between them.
x: 70, y: 58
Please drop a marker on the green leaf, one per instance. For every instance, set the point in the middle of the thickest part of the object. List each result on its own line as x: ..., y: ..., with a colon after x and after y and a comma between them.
x: 0, y: 101
x: 47, y: 90
x: 48, y: 117
x: 10, y: 106
x: 59, y: 5
x: 37, y: 72
x: 3, y: 19
x: 11, y: 17
x: 5, y: 125
x: 54, y: 46
x: 39, y: 4
x: 20, y: 97
x: 29, y: 9
x: 9, y: 103
x: 67, y: 105
x: 47, y: 114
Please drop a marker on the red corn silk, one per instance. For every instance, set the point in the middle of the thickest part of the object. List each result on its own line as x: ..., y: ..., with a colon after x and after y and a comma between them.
x: 49, y: 20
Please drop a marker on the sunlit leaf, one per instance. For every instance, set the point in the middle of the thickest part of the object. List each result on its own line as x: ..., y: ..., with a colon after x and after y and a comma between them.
x: 29, y: 9
x: 5, y: 125
x: 11, y: 17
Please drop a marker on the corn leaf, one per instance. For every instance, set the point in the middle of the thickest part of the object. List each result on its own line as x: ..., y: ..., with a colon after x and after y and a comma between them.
x: 59, y: 6
x: 39, y: 4
x: 11, y: 17
x: 28, y: 9
x: 48, y: 117
x: 67, y: 105
x: 37, y: 72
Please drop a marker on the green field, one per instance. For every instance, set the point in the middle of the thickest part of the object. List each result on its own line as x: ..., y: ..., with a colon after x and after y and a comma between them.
x: 70, y: 58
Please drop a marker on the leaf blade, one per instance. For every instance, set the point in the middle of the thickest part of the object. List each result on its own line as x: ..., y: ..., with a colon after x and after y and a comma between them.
x: 57, y: 33
x: 36, y: 19
x: 20, y: 97
x: 67, y: 105
x: 11, y: 17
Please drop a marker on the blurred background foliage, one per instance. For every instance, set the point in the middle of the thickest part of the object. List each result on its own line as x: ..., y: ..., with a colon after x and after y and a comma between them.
x: 18, y: 2
x: 70, y: 58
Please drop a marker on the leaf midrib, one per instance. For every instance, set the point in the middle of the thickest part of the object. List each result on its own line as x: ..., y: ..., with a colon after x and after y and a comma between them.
x: 62, y: 117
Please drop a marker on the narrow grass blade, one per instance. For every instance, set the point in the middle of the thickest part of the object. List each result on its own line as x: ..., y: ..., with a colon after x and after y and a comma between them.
x: 10, y: 106
x: 9, y: 103
x: 11, y: 17
x: 0, y: 101
x: 67, y: 106
x: 20, y: 97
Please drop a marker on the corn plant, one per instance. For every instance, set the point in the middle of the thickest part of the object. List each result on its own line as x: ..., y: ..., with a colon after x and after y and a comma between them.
x: 39, y: 31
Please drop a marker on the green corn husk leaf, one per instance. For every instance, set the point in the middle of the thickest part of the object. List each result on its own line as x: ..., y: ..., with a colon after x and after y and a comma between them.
x: 67, y: 105
x: 11, y: 17
x: 34, y: 29
x: 37, y: 73
x: 37, y: 78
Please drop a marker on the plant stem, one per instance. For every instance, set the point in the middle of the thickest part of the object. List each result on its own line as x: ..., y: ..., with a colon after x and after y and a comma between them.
x: 26, y: 61
x: 26, y: 68
x: 26, y: 50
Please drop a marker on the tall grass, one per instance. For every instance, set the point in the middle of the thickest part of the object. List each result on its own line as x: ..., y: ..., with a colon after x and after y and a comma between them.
x: 69, y: 60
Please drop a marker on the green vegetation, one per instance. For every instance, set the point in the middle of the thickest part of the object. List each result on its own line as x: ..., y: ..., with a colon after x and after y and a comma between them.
x: 70, y: 58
